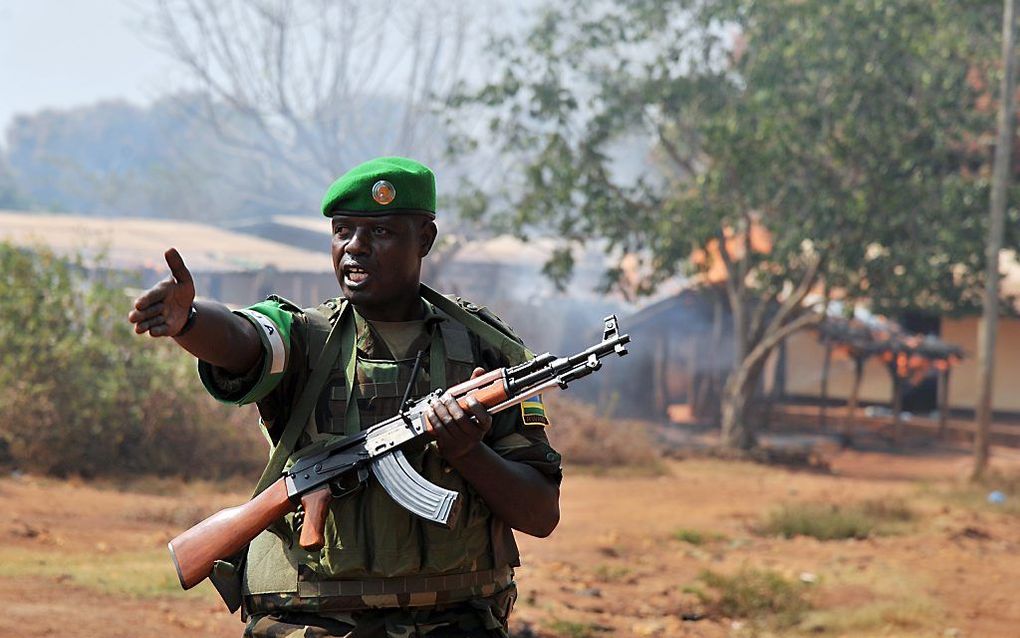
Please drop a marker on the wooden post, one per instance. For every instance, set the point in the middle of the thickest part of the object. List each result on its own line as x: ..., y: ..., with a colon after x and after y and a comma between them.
x: 658, y: 371
x: 897, y: 404
x: 855, y: 393
x: 997, y: 217
x: 664, y: 376
x: 943, y: 398
x: 826, y: 365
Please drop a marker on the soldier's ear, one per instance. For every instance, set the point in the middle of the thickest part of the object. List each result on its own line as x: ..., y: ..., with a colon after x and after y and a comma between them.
x: 427, y: 236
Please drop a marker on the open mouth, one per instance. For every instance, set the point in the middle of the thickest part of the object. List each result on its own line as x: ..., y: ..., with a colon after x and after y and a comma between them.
x: 354, y: 275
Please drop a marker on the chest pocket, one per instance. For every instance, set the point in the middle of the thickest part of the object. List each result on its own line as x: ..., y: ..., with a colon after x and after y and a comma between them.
x: 380, y: 384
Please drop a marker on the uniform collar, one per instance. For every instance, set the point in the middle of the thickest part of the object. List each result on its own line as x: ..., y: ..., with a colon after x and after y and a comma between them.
x: 371, y: 345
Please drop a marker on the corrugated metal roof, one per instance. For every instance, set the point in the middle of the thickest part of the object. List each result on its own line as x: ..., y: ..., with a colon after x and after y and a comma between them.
x: 132, y: 243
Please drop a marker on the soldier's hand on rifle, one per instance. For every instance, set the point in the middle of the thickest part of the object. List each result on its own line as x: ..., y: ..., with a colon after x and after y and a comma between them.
x: 458, y: 430
x: 163, y: 309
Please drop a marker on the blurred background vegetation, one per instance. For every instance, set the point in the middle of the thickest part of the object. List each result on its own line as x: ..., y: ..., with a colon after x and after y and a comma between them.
x: 81, y: 394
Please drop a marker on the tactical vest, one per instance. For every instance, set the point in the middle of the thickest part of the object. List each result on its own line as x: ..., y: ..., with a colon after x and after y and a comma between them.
x: 378, y: 554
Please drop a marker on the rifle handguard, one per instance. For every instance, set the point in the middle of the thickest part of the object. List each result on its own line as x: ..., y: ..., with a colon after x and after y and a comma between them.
x: 489, y: 389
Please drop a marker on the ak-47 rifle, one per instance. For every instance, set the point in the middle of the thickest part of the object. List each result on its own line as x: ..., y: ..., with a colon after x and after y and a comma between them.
x: 341, y: 467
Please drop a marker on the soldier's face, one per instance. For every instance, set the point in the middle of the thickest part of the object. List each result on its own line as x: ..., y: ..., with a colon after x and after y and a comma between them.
x: 377, y: 260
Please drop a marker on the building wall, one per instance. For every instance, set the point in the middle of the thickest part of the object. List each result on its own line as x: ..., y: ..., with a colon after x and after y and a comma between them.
x: 963, y: 381
x: 805, y: 356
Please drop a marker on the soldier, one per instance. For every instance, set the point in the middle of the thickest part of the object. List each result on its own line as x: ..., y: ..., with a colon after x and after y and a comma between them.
x: 383, y: 571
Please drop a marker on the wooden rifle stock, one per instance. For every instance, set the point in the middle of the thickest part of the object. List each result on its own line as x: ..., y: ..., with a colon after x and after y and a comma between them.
x: 226, y: 532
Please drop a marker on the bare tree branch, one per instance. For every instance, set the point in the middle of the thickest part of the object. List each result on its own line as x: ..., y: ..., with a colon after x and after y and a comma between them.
x: 772, y: 339
x: 308, y: 86
x: 796, y: 298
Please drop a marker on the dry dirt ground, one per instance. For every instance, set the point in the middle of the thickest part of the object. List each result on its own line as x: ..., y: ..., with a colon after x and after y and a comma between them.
x: 84, y: 560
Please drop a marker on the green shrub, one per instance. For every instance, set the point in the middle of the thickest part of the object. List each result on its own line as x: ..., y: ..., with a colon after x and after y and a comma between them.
x: 695, y: 537
x: 81, y: 394
x: 826, y: 521
x: 610, y: 573
x: 690, y: 536
x: 568, y: 629
x: 754, y: 594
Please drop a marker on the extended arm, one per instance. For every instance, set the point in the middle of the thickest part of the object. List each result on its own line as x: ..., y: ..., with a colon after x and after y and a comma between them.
x: 217, y: 335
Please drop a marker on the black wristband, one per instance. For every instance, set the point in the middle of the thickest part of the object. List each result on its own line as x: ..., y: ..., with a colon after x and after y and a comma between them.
x: 189, y: 323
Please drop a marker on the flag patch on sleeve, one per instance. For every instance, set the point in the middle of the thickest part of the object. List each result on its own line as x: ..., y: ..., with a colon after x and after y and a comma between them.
x: 533, y: 411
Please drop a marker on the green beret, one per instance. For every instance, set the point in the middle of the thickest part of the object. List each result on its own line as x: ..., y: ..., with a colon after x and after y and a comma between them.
x: 383, y: 186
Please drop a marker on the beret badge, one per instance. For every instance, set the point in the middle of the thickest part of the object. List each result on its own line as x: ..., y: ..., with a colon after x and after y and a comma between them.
x: 383, y: 192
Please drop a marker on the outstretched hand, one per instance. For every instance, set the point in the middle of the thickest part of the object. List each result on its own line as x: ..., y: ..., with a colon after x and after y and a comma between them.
x: 458, y: 431
x: 163, y: 309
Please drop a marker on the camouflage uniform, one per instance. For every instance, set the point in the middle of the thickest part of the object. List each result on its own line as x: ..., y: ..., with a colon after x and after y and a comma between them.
x: 460, y: 580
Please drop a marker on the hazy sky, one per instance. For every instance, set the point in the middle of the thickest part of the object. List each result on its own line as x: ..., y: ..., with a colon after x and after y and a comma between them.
x: 62, y: 53
x: 66, y: 53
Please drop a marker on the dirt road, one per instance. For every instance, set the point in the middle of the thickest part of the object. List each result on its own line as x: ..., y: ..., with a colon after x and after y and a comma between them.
x: 80, y: 560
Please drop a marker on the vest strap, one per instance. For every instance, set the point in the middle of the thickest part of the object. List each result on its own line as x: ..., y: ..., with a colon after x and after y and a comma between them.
x: 303, y: 408
x: 349, y: 361
x: 490, y: 334
x: 437, y: 357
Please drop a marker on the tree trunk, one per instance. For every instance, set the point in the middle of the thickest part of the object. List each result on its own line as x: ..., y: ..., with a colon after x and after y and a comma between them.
x: 855, y: 393
x: 737, y: 430
x: 826, y: 366
x: 897, y: 407
x: 997, y: 216
x: 943, y: 398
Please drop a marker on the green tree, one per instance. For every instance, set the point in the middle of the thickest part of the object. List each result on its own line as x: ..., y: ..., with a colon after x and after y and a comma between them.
x: 846, y: 130
x: 10, y: 195
x: 80, y: 393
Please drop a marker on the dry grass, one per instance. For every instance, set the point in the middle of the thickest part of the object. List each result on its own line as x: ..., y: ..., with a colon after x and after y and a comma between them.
x: 697, y: 537
x: 759, y: 595
x: 569, y: 629
x: 826, y: 521
x: 975, y: 496
x: 138, y: 574
x: 896, y: 604
x: 586, y: 438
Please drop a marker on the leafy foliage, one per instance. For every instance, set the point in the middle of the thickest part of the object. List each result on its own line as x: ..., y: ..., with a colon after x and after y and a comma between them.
x: 80, y: 393
x: 846, y: 128
x: 10, y: 195
x: 778, y: 145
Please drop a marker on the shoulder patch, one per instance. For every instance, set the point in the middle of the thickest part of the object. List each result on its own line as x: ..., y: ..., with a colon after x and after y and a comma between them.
x: 533, y: 412
x: 287, y: 305
x: 330, y: 308
x: 488, y: 317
